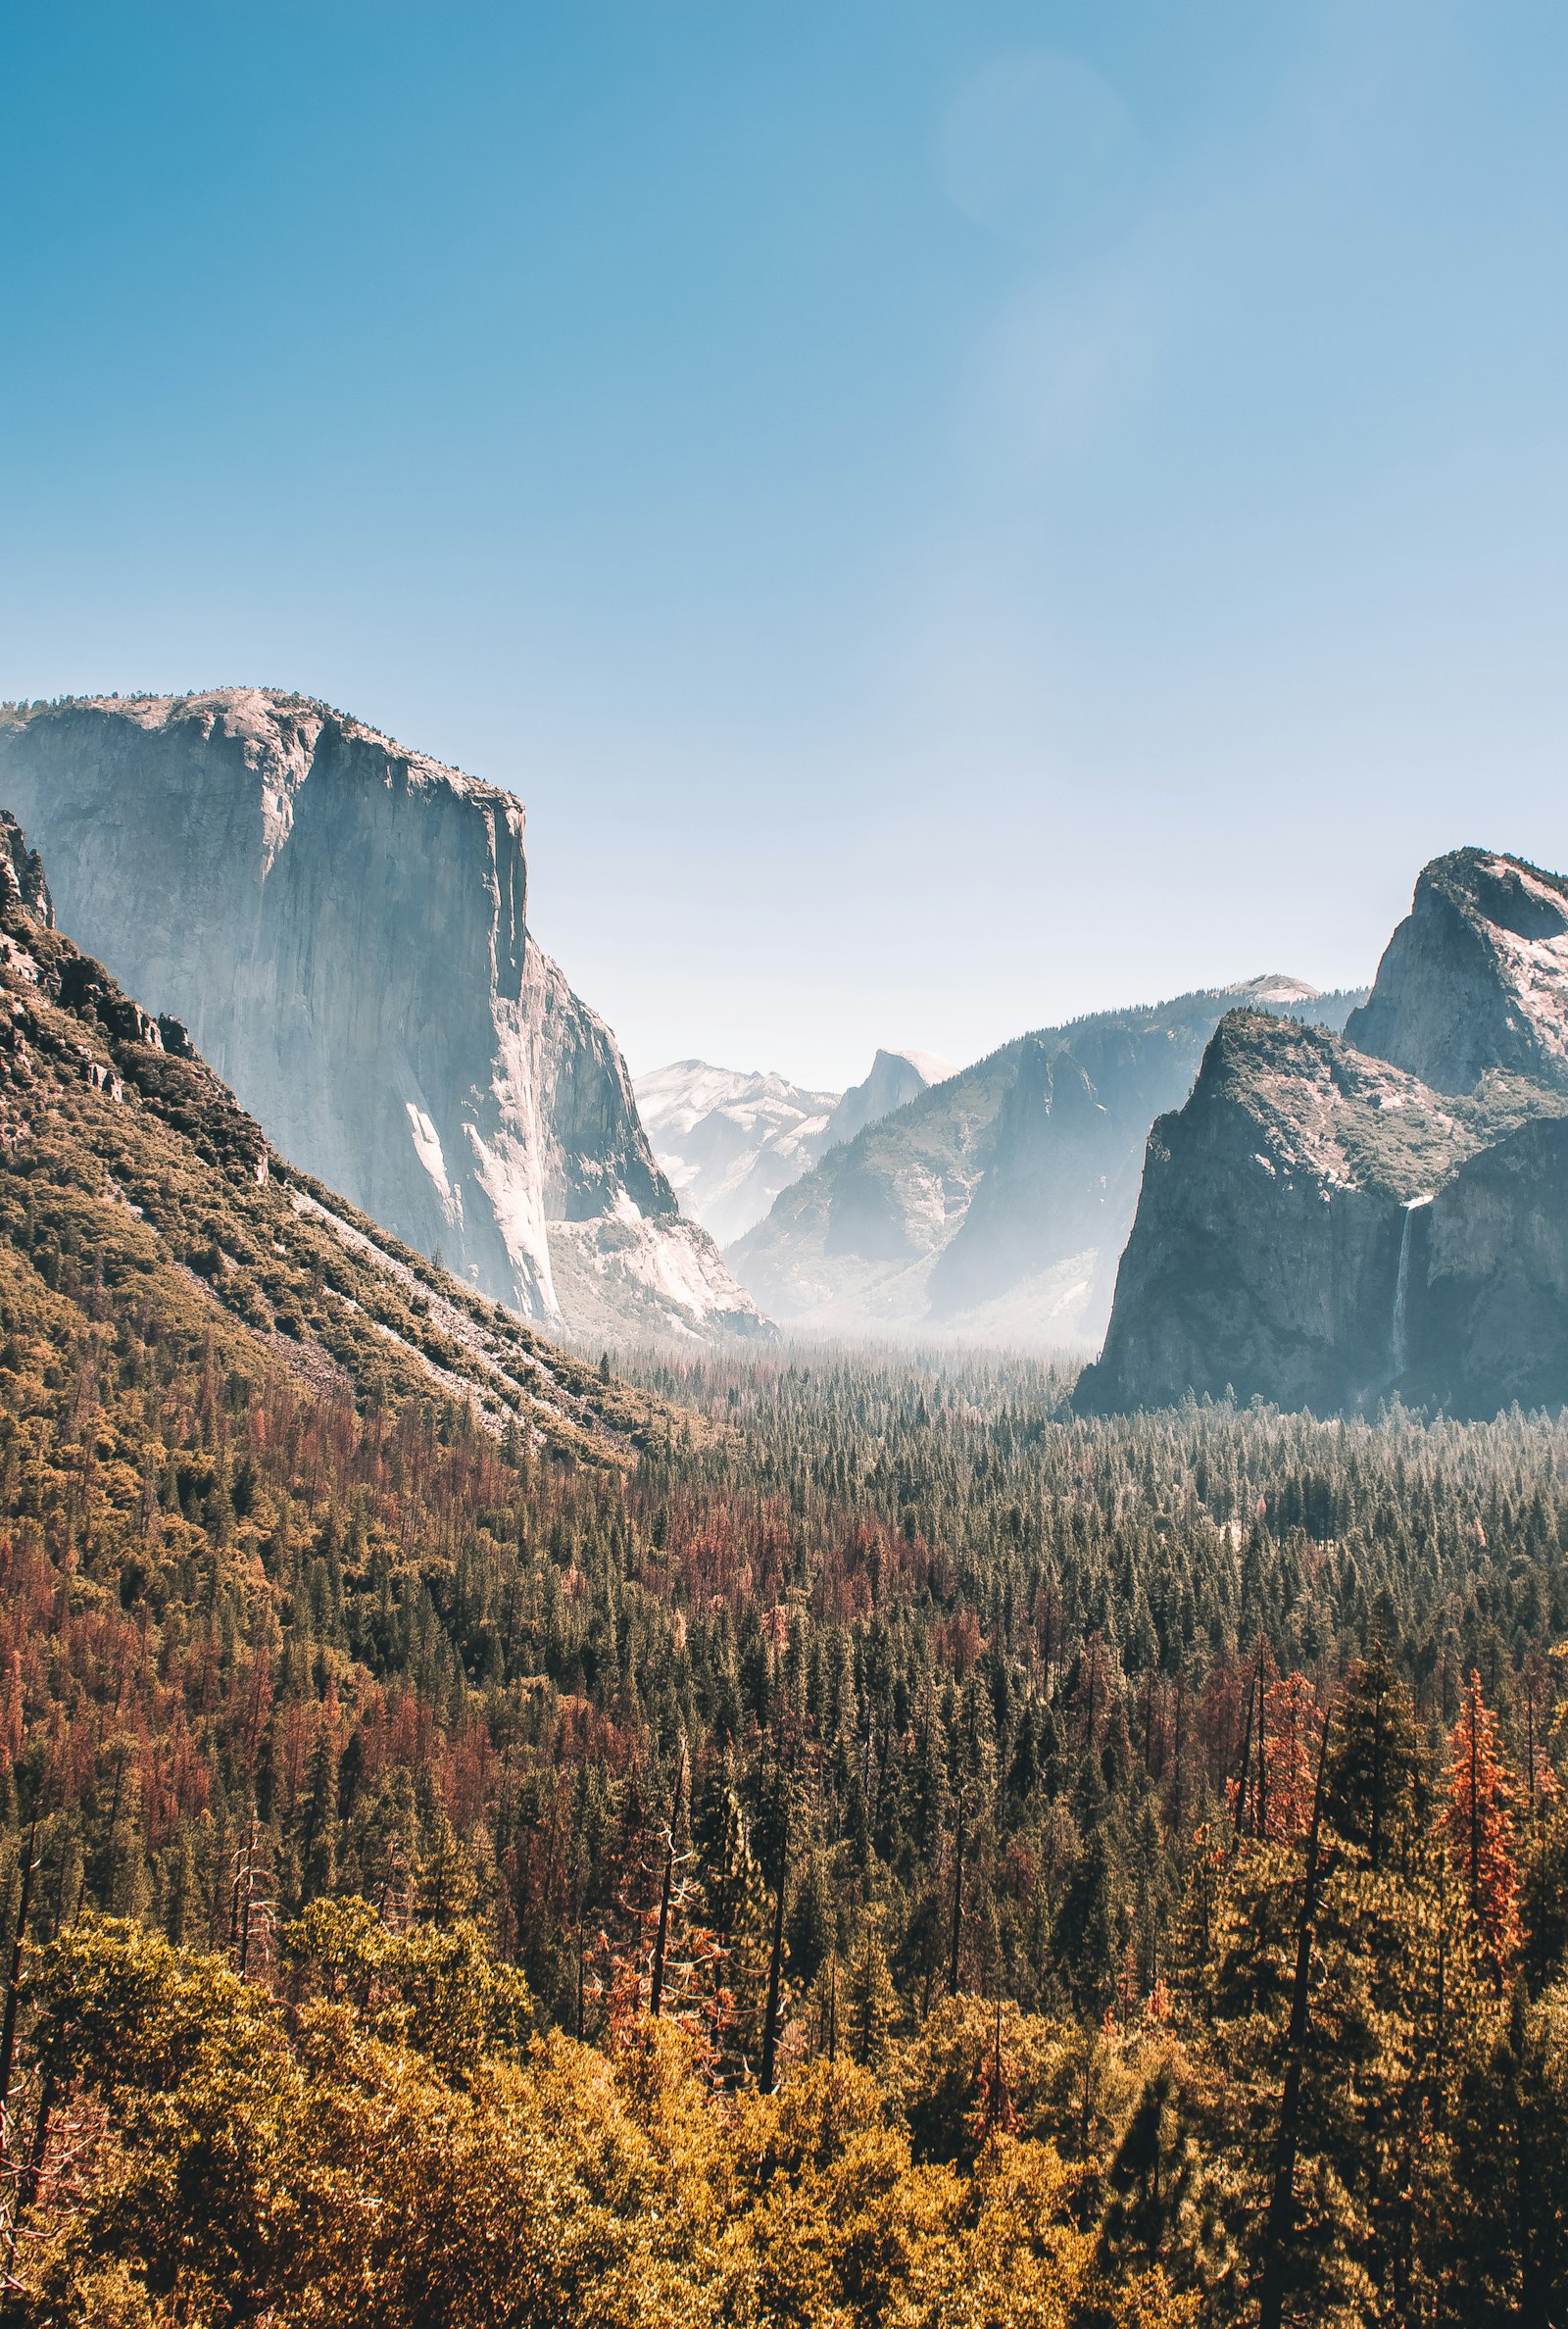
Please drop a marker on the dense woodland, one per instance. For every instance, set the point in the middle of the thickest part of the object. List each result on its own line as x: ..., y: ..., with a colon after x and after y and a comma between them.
x: 854, y: 1864
x: 812, y: 1839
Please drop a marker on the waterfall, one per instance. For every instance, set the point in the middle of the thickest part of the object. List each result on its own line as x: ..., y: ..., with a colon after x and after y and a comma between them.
x: 1400, y: 1352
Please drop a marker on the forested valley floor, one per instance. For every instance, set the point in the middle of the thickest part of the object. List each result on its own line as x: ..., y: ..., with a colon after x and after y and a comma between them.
x: 888, y: 1852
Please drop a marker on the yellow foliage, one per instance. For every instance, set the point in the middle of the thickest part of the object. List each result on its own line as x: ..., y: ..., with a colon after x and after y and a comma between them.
x: 319, y: 2164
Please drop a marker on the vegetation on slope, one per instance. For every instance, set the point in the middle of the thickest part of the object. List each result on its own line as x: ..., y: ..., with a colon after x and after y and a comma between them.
x: 870, y: 1855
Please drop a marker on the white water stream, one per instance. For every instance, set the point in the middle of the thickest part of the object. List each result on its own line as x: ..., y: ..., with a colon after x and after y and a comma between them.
x: 1401, y: 1289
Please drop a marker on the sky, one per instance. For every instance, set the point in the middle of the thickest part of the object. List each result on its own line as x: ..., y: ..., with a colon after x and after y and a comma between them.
x: 950, y: 515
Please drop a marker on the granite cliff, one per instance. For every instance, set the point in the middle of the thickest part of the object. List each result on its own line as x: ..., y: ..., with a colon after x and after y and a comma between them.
x: 1329, y: 1221
x: 992, y: 1206
x: 341, y: 923
x: 138, y: 1188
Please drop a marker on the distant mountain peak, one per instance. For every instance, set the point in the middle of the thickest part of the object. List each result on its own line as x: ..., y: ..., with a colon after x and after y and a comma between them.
x: 992, y: 1204
x: 731, y: 1140
x: 925, y: 1064
x: 1275, y: 987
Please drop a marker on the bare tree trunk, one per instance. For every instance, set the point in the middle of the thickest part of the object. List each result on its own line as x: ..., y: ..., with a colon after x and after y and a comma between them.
x: 656, y: 1994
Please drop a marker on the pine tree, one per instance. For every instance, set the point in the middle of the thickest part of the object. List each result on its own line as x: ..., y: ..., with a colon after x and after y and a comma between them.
x: 868, y: 2008
x: 1375, y: 1760
x: 446, y: 1883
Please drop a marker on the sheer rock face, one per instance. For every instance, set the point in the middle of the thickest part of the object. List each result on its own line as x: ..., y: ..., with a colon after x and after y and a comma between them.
x: 1264, y: 1258
x: 1488, y: 1282
x: 341, y: 925
x: 1475, y: 977
x: 1329, y: 1220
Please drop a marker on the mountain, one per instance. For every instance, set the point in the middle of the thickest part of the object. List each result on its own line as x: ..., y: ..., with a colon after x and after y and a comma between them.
x: 1329, y: 1221
x: 1475, y: 979
x: 728, y: 1142
x: 341, y: 922
x: 897, y: 1077
x: 992, y: 1206
x: 141, y: 1205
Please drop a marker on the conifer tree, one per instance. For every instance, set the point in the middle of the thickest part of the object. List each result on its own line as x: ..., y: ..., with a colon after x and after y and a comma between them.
x: 1481, y: 1795
x: 1375, y: 1760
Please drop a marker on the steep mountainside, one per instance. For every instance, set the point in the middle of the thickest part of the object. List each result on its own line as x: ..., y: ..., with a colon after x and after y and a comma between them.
x: 341, y: 923
x: 139, y: 1198
x: 1475, y: 977
x: 729, y: 1141
x: 994, y: 1205
x: 1322, y: 1227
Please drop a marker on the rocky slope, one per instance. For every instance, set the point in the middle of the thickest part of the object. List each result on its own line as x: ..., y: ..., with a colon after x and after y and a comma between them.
x: 135, y: 1185
x: 728, y: 1142
x: 993, y: 1207
x: 342, y: 924
x: 1476, y: 977
x: 1329, y: 1221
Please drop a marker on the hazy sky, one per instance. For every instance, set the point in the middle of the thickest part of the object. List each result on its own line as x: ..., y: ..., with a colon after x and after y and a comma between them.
x: 950, y: 513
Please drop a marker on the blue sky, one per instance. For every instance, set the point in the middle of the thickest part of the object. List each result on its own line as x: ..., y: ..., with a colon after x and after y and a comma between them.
x: 950, y: 515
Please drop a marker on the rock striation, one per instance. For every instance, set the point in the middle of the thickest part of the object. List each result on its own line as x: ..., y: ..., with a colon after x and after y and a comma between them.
x: 729, y: 1141
x: 992, y: 1206
x: 1328, y: 1221
x: 341, y: 925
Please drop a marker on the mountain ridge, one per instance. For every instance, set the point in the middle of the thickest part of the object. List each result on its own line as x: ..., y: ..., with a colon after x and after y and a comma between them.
x: 132, y: 1170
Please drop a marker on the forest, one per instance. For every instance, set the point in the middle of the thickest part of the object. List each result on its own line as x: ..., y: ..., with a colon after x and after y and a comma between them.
x: 888, y: 1851
x: 813, y: 1837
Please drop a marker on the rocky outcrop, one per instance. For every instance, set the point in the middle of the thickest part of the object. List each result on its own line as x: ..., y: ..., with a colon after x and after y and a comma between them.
x: 1475, y: 979
x: 1323, y: 1226
x: 993, y: 1207
x: 341, y: 925
x: 23, y: 886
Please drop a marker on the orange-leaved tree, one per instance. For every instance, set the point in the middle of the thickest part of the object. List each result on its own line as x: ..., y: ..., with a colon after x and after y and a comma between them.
x: 1480, y: 1825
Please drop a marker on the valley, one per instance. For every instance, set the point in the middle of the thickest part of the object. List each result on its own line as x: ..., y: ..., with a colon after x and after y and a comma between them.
x: 794, y: 1827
